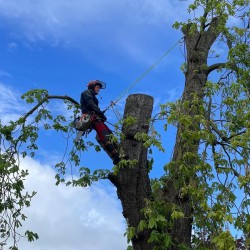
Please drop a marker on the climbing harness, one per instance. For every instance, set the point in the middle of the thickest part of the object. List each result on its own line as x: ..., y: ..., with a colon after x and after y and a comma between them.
x: 79, y: 135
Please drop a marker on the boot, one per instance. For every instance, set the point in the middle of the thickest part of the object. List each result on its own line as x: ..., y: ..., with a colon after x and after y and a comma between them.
x: 116, y: 159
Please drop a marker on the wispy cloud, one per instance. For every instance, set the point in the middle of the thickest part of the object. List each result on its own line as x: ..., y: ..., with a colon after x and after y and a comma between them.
x: 4, y: 74
x: 65, y: 218
x: 68, y: 218
x: 54, y: 17
x: 10, y: 108
x: 94, y: 25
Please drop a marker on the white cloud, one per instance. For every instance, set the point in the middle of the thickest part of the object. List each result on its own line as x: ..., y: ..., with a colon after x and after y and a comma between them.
x: 65, y: 218
x: 55, y: 16
x: 68, y: 218
x: 5, y: 74
x: 7, y: 98
x: 87, y: 25
x: 107, y: 34
x: 10, y: 108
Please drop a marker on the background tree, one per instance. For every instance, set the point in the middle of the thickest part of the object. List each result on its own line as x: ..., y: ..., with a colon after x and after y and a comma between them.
x: 205, y: 190
x: 212, y: 143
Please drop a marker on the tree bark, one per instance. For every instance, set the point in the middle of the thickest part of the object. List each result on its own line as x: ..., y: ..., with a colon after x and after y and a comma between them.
x: 198, y: 44
x: 133, y: 183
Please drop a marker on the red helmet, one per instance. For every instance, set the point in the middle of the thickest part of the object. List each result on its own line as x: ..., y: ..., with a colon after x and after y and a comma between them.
x: 93, y: 83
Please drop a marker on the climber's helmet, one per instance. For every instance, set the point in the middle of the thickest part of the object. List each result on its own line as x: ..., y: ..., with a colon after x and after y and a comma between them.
x: 93, y: 83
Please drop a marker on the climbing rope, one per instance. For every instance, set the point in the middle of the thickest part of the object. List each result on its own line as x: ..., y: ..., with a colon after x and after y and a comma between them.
x: 116, y: 112
x: 113, y: 103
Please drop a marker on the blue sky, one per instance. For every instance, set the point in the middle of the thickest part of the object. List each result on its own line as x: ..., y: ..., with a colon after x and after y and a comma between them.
x: 59, y: 46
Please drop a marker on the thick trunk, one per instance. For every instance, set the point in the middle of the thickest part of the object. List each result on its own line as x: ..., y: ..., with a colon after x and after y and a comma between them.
x: 133, y: 183
x: 198, y: 46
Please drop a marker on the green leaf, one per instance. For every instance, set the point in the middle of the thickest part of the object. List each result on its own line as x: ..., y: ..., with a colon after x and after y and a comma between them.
x: 177, y: 215
x: 31, y: 236
x: 142, y: 225
x: 152, y: 223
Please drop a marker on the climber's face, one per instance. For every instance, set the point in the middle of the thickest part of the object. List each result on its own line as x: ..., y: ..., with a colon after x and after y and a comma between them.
x: 97, y: 89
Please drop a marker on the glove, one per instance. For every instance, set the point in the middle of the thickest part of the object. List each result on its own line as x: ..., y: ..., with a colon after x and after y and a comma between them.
x: 103, y: 117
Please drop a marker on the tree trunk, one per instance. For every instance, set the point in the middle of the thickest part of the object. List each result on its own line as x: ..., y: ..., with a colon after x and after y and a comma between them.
x: 133, y: 183
x: 198, y: 45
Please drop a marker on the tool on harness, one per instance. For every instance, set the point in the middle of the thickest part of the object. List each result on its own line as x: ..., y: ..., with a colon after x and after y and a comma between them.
x: 79, y: 136
x: 83, y: 125
x: 83, y: 122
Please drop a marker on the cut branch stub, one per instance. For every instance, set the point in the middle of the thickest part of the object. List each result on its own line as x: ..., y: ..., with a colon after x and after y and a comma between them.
x: 139, y: 107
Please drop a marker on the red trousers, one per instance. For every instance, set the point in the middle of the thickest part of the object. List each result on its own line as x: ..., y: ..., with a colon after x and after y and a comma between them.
x: 102, y: 130
x: 103, y: 138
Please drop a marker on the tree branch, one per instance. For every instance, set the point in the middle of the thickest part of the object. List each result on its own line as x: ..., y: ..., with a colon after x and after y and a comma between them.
x: 65, y: 97
x: 230, y: 162
x: 235, y: 173
x: 214, y: 67
x: 212, y: 32
x: 234, y: 65
x: 24, y: 117
x: 217, y: 131
x: 203, y: 27
x: 240, y: 133
x: 224, y: 138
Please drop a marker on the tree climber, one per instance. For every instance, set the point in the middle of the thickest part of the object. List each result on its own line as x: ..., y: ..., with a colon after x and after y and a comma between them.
x: 89, y: 106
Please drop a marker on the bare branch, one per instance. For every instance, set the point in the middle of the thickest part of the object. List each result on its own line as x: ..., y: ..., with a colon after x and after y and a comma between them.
x: 217, y: 131
x: 230, y: 162
x: 240, y: 133
x: 46, y: 99
x: 215, y: 66
x: 235, y: 173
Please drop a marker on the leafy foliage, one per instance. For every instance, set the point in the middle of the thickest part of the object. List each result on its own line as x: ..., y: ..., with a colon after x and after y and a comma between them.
x: 19, y: 140
x: 213, y: 171
x: 216, y: 177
